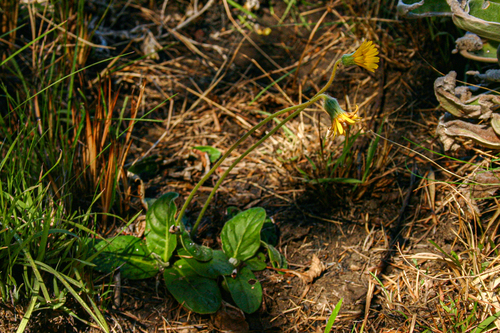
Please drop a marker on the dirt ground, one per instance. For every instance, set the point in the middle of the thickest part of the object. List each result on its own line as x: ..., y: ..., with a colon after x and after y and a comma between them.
x: 360, y: 232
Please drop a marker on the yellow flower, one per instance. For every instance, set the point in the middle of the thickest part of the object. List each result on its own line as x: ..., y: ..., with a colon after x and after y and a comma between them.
x: 365, y: 56
x: 339, y: 117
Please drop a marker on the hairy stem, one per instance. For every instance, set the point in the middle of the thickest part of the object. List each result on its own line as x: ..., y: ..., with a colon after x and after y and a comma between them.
x: 233, y: 147
x: 299, y: 108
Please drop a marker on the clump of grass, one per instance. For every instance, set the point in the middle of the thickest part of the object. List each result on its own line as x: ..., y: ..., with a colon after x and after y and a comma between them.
x: 101, y: 145
x: 39, y: 238
x: 61, y: 153
x: 351, y: 162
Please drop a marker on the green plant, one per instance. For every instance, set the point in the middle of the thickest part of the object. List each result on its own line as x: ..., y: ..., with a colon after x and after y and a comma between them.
x: 343, y: 166
x: 467, y: 111
x: 478, y: 17
x: 191, y: 271
x: 38, y: 239
x: 192, y: 278
x: 60, y: 154
x: 333, y: 316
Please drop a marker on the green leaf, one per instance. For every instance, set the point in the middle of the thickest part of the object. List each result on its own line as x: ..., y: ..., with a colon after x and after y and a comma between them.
x: 275, y: 257
x: 217, y: 266
x: 146, y: 168
x: 212, y: 152
x: 245, y: 290
x: 269, y: 86
x: 195, y: 292
x: 333, y: 316
x: 313, y: 165
x: 269, y: 232
x: 257, y: 263
x: 130, y: 254
x: 454, y: 259
x: 489, y: 50
x: 198, y: 252
x: 67, y: 281
x: 483, y: 22
x: 487, y: 322
x: 240, y: 7
x: 485, y: 10
x: 159, y: 219
x: 419, y: 8
x: 240, y: 236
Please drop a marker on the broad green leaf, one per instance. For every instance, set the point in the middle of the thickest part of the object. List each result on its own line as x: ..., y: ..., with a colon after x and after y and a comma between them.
x: 485, y: 10
x: 486, y: 28
x: 194, y: 292
x: 277, y: 260
x: 240, y: 235
x: 245, y: 290
x: 130, y: 254
x: 423, y: 8
x: 489, y: 50
x: 213, y: 153
x: 217, y: 266
x: 159, y: 219
x: 257, y: 263
x: 198, y: 252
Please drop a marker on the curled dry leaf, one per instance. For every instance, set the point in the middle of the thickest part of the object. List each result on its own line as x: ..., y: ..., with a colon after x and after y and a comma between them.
x: 468, y: 116
x: 482, y: 184
x: 313, y: 272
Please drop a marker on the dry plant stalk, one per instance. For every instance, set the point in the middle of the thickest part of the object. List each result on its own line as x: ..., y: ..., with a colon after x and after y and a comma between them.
x: 102, y: 155
x: 8, y: 20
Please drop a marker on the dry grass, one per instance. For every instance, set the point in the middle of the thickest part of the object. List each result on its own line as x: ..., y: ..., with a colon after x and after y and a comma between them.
x: 220, y: 79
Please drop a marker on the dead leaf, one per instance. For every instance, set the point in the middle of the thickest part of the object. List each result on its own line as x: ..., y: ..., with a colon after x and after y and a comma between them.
x: 483, y: 184
x: 313, y: 272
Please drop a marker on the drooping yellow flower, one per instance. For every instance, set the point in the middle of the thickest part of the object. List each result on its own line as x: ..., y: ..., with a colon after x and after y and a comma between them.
x: 365, y: 56
x: 338, y: 116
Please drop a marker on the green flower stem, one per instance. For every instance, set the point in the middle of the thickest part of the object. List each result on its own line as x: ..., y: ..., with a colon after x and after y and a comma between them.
x: 327, y: 85
x: 299, y: 109
x: 233, y: 147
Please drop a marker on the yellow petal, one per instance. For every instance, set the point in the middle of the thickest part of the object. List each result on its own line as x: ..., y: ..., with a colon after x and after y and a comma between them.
x: 341, y: 129
x: 347, y: 119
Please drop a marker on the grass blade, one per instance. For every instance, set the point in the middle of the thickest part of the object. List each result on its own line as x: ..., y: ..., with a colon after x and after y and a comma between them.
x: 333, y: 316
x: 30, y: 43
x: 64, y: 280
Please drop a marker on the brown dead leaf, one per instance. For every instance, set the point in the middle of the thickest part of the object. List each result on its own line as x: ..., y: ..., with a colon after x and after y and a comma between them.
x: 313, y: 272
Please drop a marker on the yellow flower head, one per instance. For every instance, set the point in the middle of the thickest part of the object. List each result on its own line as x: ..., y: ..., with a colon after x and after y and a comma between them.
x: 365, y: 56
x: 339, y: 117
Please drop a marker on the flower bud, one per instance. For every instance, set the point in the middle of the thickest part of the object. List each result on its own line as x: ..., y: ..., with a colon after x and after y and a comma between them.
x: 338, y: 116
